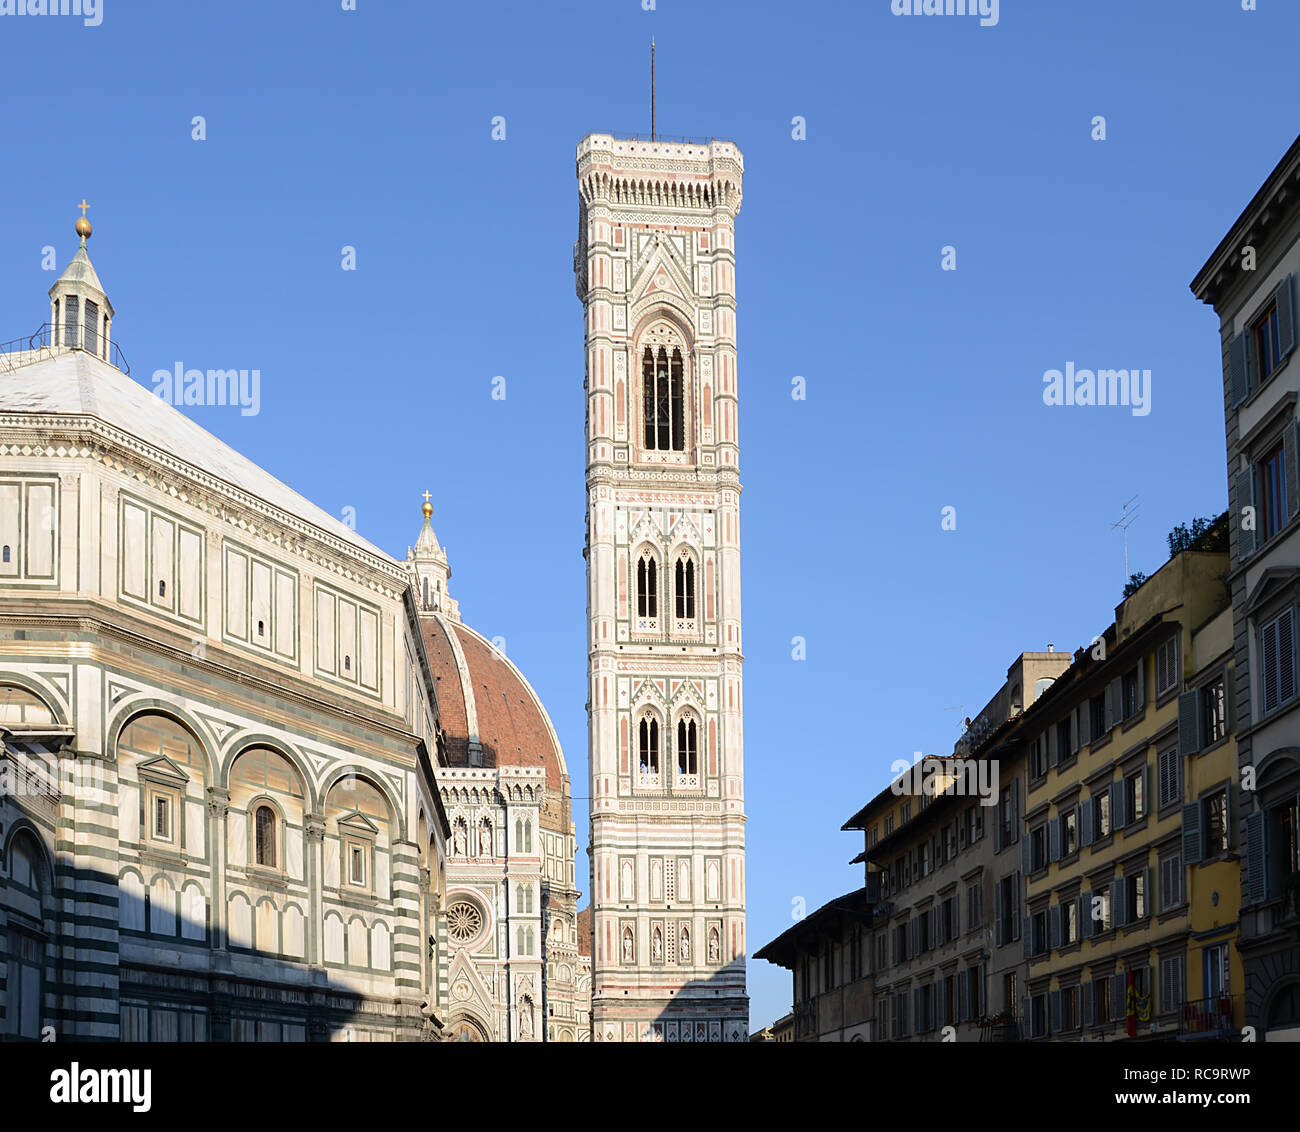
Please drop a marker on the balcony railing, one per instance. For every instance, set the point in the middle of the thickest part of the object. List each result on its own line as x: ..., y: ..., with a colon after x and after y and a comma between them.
x: 48, y: 340
x: 999, y: 1030
x: 1219, y: 1015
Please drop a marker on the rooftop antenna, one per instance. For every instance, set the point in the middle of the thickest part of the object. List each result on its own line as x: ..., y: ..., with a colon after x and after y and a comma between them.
x: 652, y: 90
x: 1126, y: 520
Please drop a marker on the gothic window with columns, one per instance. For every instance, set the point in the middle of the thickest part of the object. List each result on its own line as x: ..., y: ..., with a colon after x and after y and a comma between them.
x: 684, y: 587
x: 648, y: 745
x: 647, y: 588
x: 687, y: 748
x: 663, y: 393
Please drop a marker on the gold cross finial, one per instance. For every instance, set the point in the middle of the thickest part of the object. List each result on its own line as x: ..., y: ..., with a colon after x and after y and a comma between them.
x: 428, y: 507
x: 83, y: 206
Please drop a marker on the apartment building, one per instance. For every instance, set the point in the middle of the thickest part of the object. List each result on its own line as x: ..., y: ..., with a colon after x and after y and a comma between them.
x: 1249, y: 280
x: 1125, y: 822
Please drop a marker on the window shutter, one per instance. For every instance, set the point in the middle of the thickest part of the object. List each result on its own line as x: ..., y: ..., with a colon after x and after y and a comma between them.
x: 1054, y: 839
x: 1118, y: 997
x: 1146, y: 893
x: 917, y: 1010
x: 873, y: 887
x: 1258, y: 880
x: 1245, y: 498
x: 1085, y: 915
x: 913, y: 937
x: 997, y: 912
x: 1119, y: 902
x: 1291, y: 456
x: 963, y: 996
x: 1053, y: 747
x: 1085, y: 993
x: 961, y: 836
x: 1055, y: 922
x: 956, y: 917
x: 1239, y: 368
x: 941, y: 1004
x: 1056, y: 1012
x: 1142, y: 686
x: 1286, y: 655
x: 1192, y: 840
x: 1285, y: 315
x: 1117, y: 806
x: 1189, y: 723
x: 1026, y: 864
x: 1085, y: 823
x: 1015, y: 920
x: 1026, y: 937
x: 1015, y: 810
x: 1077, y: 730
x: 1085, y: 724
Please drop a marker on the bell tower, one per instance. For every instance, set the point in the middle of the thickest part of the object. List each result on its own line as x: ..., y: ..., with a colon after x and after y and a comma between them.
x: 655, y: 268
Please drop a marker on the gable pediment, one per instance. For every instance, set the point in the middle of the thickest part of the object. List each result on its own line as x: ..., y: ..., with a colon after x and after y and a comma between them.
x: 163, y: 770
x: 1275, y: 581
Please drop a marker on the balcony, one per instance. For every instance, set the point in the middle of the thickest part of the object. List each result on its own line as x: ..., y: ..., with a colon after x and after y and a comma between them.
x: 1218, y: 1016
x: 1002, y: 1029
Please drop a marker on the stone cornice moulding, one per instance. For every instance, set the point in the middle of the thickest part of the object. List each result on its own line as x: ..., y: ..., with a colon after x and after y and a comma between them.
x: 125, y: 453
x: 15, y: 615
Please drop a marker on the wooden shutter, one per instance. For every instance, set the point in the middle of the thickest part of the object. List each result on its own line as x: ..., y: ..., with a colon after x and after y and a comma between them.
x: 1119, y: 902
x: 1193, y: 842
x: 1026, y: 937
x: 1239, y: 368
x: 1015, y: 883
x: 1142, y: 686
x: 1291, y: 457
x: 1246, y: 498
x: 1026, y: 860
x: 997, y: 912
x: 1258, y: 879
x: 956, y: 916
x: 1054, y: 839
x: 1118, y: 997
x: 1085, y: 995
x: 1285, y: 316
x: 1085, y: 723
x: 1055, y: 924
x: 1076, y: 732
x: 963, y: 996
x: 1189, y: 723
x: 1117, y: 821
x: 1085, y: 822
x: 1056, y: 1012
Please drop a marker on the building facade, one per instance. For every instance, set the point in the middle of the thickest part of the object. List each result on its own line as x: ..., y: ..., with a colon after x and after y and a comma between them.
x: 1124, y: 824
x: 220, y: 818
x: 655, y: 268
x: 514, y: 966
x: 1250, y: 281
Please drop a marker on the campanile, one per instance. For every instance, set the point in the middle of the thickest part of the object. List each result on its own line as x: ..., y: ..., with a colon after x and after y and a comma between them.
x: 655, y: 268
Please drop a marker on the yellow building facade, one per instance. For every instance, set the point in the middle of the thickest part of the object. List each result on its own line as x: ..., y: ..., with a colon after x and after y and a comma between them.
x: 1129, y: 844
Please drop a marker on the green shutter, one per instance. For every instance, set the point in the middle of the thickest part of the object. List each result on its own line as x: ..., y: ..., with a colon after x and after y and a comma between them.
x: 1258, y: 881
x: 1285, y: 316
x: 1246, y: 498
x: 1189, y: 723
x: 1193, y: 843
x: 1239, y: 369
x: 1290, y: 458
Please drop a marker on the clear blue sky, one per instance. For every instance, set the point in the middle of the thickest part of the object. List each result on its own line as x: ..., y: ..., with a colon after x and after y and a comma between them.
x: 372, y: 128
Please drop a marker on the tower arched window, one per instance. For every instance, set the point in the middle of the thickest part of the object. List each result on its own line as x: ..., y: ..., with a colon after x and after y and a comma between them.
x: 687, y: 747
x: 648, y: 745
x: 663, y: 398
x: 684, y: 587
x: 264, y: 821
x: 647, y: 586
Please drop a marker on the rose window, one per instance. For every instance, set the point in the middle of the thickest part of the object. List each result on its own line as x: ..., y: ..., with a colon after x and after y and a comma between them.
x: 464, y: 921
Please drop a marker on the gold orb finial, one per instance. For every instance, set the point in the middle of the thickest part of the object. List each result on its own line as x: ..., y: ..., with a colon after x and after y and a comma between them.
x: 83, y: 227
x: 428, y: 507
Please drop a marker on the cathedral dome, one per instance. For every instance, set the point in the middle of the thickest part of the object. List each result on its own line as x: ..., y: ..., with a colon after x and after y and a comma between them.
x: 489, y: 712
